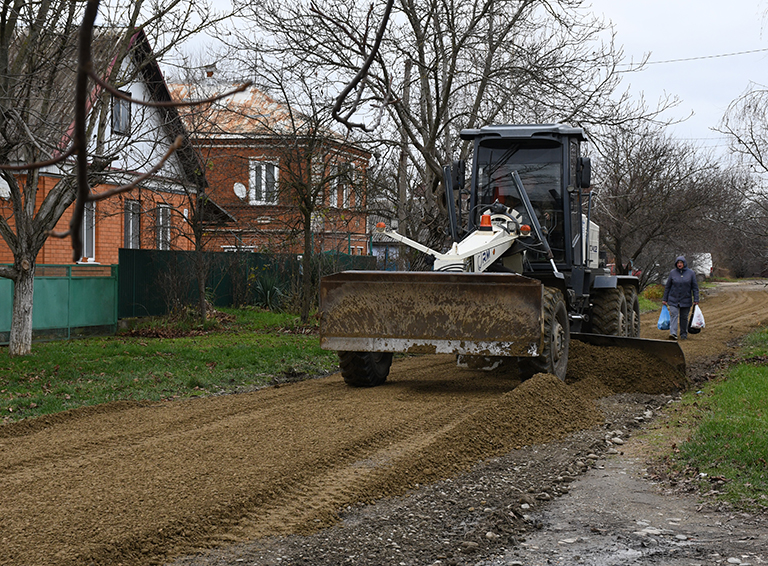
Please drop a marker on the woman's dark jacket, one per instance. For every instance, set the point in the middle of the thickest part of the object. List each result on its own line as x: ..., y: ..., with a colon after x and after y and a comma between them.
x: 680, y: 284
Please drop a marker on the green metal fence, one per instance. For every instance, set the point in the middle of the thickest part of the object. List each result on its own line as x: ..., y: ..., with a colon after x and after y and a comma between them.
x: 87, y: 300
x: 69, y: 301
x: 154, y: 282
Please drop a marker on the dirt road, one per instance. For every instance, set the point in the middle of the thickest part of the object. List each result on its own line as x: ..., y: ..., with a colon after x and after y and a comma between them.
x: 142, y: 484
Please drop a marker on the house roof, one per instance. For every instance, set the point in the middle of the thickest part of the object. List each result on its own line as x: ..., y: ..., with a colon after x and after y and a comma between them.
x: 215, y: 214
x: 192, y: 167
x: 250, y: 113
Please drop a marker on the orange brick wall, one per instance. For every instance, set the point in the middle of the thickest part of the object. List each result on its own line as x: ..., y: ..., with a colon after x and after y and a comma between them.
x: 110, y: 226
x: 273, y: 228
x: 264, y: 228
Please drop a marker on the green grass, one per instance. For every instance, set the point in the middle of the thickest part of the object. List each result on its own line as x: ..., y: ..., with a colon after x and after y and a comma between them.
x: 647, y: 305
x: 253, y: 348
x: 727, y: 452
x: 756, y: 344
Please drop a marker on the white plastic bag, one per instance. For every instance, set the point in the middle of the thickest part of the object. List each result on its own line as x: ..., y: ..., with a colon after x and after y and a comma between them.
x: 698, y: 318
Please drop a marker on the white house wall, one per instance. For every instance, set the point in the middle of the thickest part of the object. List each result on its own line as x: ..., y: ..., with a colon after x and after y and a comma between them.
x: 148, y: 140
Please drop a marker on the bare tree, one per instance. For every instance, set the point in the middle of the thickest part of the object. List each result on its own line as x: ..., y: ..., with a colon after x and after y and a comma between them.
x: 657, y: 197
x: 439, y: 67
x: 46, y: 49
x: 321, y: 172
x: 199, y: 210
x: 746, y: 125
x: 301, y: 179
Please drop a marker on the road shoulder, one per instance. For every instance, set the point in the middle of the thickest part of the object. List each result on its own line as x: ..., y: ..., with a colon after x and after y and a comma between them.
x: 614, y: 515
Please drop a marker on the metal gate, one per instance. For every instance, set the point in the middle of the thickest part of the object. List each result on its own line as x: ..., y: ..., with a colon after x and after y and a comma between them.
x: 69, y: 301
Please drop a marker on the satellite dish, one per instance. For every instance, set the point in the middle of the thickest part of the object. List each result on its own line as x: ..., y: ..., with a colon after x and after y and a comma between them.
x: 5, y: 189
x: 240, y: 191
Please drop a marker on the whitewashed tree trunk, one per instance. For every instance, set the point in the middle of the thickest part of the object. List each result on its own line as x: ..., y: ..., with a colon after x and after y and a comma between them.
x: 20, y: 343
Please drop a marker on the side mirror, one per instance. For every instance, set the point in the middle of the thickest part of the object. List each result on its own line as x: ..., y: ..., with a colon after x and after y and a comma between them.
x: 584, y: 173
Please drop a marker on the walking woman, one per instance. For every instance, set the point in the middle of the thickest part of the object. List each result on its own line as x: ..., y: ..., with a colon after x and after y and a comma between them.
x: 680, y: 294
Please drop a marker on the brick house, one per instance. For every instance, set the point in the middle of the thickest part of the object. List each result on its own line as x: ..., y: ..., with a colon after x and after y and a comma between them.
x: 152, y: 215
x: 263, y: 170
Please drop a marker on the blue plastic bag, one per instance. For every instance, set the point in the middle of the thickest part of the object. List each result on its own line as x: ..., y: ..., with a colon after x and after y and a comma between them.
x: 663, y: 323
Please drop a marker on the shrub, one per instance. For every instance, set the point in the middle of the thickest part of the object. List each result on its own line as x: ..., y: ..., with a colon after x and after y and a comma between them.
x: 653, y: 292
x: 269, y: 292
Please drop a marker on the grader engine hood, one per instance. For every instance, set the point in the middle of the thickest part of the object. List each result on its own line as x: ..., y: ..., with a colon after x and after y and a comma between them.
x: 491, y: 314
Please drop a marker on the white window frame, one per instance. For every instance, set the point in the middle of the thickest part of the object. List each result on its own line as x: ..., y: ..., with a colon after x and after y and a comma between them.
x: 163, y: 227
x: 89, y: 231
x: 341, y: 180
x: 121, y: 115
x: 348, y: 183
x: 262, y: 182
x: 132, y: 225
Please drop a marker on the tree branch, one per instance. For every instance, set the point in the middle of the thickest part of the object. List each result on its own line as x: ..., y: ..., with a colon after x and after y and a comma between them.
x: 361, y: 74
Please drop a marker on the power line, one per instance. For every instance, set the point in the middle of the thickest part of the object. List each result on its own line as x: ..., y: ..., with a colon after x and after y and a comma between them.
x: 699, y: 58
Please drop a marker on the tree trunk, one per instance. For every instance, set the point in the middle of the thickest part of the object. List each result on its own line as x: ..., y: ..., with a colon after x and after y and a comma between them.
x: 306, y: 272
x: 20, y: 343
x: 402, y: 170
x: 202, y: 276
x: 201, y: 262
x: 201, y: 292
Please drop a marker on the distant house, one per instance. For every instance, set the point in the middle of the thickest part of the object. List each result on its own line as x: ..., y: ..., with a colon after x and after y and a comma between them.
x: 134, y: 138
x: 385, y: 249
x: 264, y: 163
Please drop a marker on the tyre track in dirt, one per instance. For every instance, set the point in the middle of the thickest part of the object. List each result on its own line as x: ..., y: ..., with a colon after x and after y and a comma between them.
x: 126, y: 485
x: 140, y: 484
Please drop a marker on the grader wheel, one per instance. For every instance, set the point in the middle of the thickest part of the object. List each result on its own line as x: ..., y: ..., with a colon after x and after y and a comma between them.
x: 633, y: 311
x: 609, y: 312
x: 554, y: 354
x: 365, y: 369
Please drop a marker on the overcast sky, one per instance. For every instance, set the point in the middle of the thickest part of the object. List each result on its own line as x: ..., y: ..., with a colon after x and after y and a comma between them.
x: 700, y: 33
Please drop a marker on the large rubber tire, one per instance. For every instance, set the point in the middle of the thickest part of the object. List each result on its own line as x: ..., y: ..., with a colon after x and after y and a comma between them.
x: 633, y: 311
x: 609, y: 312
x: 365, y: 369
x: 557, y: 338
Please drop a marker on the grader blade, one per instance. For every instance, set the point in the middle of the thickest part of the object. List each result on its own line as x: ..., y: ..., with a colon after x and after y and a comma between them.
x: 665, y: 350
x: 488, y: 314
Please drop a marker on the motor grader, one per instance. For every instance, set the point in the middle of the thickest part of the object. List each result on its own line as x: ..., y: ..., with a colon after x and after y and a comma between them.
x: 522, y: 276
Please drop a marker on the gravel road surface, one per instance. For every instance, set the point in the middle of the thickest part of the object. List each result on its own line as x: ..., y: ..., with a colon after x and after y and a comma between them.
x: 441, y: 465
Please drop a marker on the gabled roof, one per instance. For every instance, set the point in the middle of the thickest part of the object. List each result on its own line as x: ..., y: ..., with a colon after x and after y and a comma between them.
x: 249, y: 115
x: 105, y: 56
x: 193, y: 169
